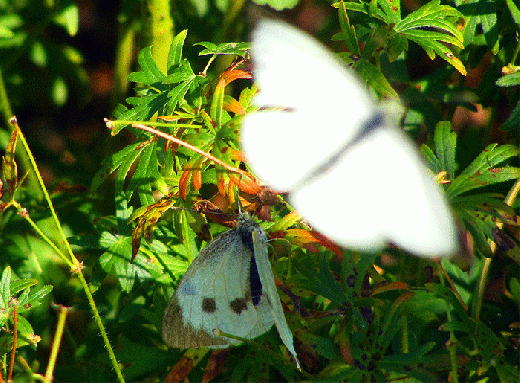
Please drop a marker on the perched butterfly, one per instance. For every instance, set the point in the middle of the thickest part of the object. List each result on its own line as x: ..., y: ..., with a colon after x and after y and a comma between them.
x: 321, y: 138
x: 228, y: 288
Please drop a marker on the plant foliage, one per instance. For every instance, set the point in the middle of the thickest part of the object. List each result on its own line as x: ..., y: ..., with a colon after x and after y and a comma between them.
x: 355, y: 317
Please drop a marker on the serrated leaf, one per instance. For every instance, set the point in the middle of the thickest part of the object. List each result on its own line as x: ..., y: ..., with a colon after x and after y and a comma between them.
x: 490, y: 157
x: 175, y: 53
x: 150, y: 73
x: 445, y: 145
x: 112, y: 163
x: 126, y: 164
x: 377, y: 80
x: 147, y: 165
x: 464, y: 183
x: 5, y: 288
x: 22, y: 284
x: 429, y: 28
x: 235, y: 49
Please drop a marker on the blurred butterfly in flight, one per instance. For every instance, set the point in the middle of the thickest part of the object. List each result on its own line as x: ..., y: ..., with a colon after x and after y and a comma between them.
x: 321, y: 138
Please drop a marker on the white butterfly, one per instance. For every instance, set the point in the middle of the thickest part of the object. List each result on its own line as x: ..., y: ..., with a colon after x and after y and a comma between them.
x: 349, y: 173
x: 228, y: 288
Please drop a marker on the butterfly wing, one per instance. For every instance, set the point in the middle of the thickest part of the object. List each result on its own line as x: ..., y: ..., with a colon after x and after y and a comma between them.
x: 380, y: 191
x: 215, y: 294
x: 267, y: 279
x: 314, y: 95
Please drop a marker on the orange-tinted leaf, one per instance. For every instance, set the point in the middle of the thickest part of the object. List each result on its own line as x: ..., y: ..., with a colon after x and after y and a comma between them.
x: 234, y: 74
x: 221, y: 184
x: 184, y: 182
x: 249, y: 186
x: 214, y: 213
x: 232, y: 105
x: 237, y: 155
x: 304, y: 238
x: 180, y: 372
x: 146, y: 222
x: 216, y: 363
x: 10, y: 169
x: 197, y: 178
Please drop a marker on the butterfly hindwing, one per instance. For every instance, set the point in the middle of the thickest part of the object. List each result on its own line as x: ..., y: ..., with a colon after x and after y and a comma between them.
x: 411, y: 210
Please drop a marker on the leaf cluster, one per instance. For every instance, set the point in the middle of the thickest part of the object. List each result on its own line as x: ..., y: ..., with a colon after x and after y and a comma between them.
x: 355, y: 317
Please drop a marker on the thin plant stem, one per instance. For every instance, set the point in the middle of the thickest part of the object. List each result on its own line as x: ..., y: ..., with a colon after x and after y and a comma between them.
x: 75, y: 265
x: 510, y: 198
x: 191, y: 147
x: 22, y: 157
x: 452, y: 343
x: 62, y: 316
x: 15, y: 338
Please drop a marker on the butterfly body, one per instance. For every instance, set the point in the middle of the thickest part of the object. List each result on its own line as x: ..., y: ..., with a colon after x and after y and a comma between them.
x: 349, y: 172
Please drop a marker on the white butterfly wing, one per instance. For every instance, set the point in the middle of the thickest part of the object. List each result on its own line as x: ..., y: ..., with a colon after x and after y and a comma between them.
x: 380, y: 191
x: 295, y: 72
x: 215, y: 293
x: 269, y: 286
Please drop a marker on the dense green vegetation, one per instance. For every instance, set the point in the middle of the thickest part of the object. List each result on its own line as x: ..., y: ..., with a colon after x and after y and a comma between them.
x: 76, y: 306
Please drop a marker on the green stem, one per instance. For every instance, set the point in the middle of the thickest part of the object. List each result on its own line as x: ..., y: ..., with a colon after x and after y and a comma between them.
x: 62, y: 316
x: 452, y: 343
x: 161, y: 29
x: 22, y: 157
x: 74, y: 264
x: 510, y: 198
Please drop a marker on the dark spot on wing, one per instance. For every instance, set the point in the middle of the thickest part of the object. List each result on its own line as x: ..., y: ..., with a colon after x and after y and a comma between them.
x: 238, y: 305
x: 208, y: 305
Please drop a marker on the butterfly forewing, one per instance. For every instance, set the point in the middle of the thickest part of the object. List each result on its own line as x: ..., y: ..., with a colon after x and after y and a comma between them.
x: 314, y: 94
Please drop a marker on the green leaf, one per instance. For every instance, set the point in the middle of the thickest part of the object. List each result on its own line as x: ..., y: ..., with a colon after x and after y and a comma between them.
x: 112, y: 163
x: 482, y: 171
x: 319, y: 279
x: 126, y: 163
x: 279, y: 5
x: 117, y: 259
x: 509, y: 80
x: 376, y: 79
x: 140, y: 358
x: 429, y: 28
x: 150, y: 73
x: 175, y: 53
x: 22, y: 284
x: 514, y: 10
x: 235, y: 49
x: 325, y: 347
x: 5, y: 289
x: 483, y: 13
x: 445, y: 144
x: 513, y: 122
